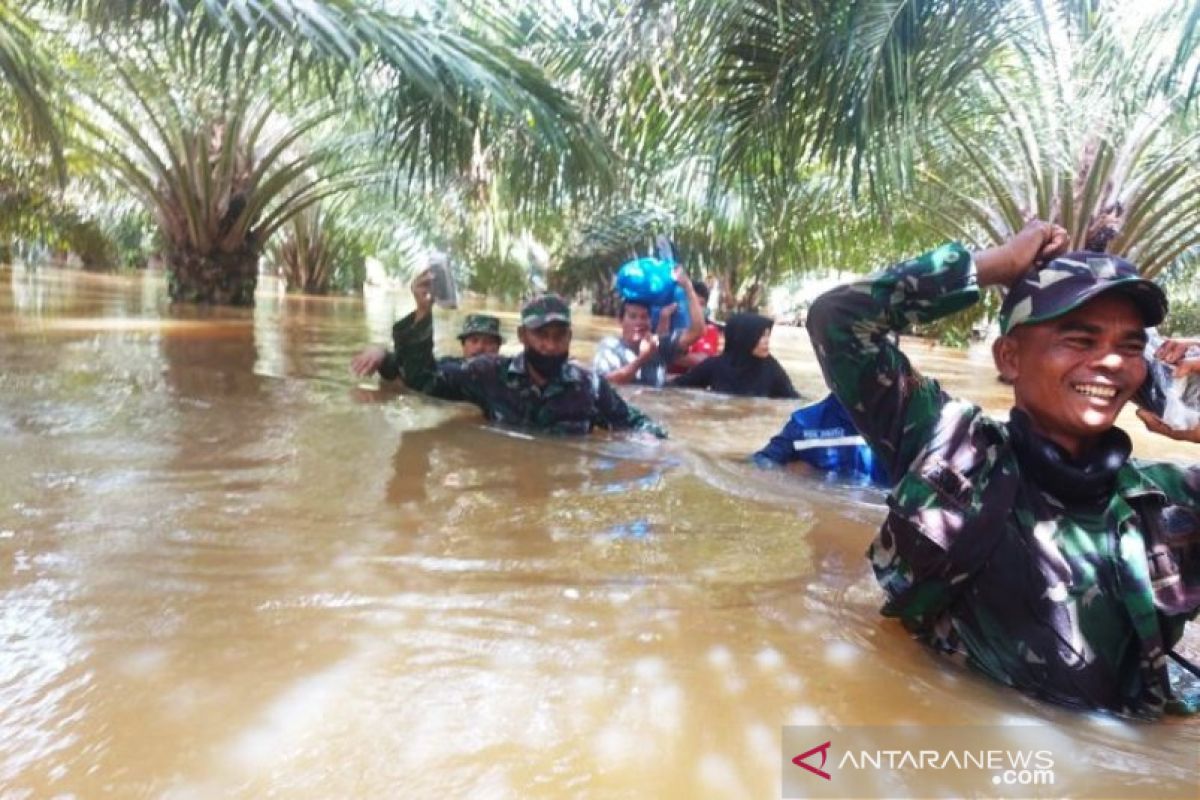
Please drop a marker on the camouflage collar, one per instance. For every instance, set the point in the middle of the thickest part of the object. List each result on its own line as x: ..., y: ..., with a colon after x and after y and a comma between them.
x: 1131, y: 482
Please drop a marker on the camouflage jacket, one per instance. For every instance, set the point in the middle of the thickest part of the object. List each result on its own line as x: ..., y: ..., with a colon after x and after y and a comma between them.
x: 573, y: 402
x: 1078, y: 606
x: 401, y: 332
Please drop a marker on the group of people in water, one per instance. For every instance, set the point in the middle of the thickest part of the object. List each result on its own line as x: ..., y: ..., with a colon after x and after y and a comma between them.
x: 1034, y: 549
x: 819, y: 436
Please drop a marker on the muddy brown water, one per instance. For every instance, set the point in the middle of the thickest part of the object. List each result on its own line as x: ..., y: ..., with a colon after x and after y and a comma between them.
x: 229, y: 569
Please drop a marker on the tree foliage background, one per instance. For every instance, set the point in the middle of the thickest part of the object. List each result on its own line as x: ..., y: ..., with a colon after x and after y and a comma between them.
x: 541, y: 140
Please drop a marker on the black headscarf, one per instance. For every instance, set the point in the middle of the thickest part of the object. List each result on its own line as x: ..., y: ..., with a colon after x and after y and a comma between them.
x: 737, y: 370
x: 742, y: 333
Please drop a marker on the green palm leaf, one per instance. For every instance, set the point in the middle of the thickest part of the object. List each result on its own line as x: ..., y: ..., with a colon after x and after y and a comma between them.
x: 26, y: 71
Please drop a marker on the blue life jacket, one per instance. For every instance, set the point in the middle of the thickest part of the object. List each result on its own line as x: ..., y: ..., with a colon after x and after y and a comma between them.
x: 823, y: 435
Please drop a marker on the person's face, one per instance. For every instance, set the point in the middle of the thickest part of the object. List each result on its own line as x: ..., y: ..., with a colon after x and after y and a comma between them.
x: 552, y: 339
x: 475, y: 344
x: 763, y: 348
x: 1074, y: 374
x: 635, y: 323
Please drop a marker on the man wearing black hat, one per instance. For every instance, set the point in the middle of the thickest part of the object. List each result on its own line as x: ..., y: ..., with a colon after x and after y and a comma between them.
x: 538, y: 389
x: 1036, y: 549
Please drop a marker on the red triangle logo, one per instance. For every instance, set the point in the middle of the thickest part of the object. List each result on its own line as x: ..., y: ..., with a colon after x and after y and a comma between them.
x: 823, y: 749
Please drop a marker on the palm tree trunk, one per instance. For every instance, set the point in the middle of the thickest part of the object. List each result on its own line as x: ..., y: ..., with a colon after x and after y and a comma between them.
x: 226, y: 279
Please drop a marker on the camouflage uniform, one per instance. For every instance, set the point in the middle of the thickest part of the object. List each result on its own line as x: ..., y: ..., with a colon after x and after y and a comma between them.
x: 1078, y: 605
x: 573, y: 402
x: 484, y: 324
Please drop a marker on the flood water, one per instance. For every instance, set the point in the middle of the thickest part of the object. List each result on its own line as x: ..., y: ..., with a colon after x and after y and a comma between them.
x: 228, y: 569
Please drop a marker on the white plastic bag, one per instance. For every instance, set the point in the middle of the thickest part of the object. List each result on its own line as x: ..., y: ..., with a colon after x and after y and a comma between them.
x: 1180, y: 398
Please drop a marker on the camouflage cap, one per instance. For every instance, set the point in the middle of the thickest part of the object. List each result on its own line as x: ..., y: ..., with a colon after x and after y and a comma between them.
x: 544, y: 309
x: 481, y: 325
x: 1071, y: 280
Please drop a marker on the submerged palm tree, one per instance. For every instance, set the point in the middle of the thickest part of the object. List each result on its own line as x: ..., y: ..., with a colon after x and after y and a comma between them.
x: 435, y: 90
x: 219, y: 175
x: 313, y: 249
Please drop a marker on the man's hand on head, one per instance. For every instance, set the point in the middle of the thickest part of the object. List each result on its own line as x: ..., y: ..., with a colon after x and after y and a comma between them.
x: 1155, y: 424
x: 1035, y: 244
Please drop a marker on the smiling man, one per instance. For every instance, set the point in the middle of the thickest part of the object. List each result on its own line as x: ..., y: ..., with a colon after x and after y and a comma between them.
x: 1036, y: 549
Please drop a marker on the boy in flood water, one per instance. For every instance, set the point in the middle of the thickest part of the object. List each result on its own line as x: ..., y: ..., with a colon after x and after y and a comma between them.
x: 1036, y: 549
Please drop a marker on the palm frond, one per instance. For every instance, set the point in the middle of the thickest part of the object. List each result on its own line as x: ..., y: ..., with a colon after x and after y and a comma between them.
x: 26, y: 71
x: 851, y: 82
x: 431, y: 82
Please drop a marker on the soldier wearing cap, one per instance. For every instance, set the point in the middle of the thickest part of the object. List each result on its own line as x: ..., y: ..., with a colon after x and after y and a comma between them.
x: 538, y: 389
x: 1037, y: 549
x: 480, y: 335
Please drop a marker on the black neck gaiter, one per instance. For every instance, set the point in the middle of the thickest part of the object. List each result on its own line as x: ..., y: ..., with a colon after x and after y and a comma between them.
x: 548, y: 367
x: 1090, y: 479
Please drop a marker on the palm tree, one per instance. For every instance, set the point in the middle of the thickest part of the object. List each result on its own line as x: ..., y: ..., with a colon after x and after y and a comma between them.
x: 437, y: 92
x: 220, y: 175
x: 850, y: 84
x: 313, y: 249
x: 1107, y: 150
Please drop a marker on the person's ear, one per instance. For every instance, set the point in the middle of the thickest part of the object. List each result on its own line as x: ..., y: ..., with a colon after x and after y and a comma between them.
x: 1005, y: 352
x: 521, y: 335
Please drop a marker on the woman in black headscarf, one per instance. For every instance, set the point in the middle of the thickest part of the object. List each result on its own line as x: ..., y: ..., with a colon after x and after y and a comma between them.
x: 746, y: 367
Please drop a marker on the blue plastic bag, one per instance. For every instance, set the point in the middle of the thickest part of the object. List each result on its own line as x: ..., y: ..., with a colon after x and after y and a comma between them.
x: 651, y: 282
x: 646, y: 281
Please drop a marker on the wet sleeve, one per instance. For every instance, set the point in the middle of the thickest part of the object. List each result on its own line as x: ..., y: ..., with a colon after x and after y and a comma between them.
x: 389, y: 369
x: 450, y: 378
x: 613, y: 413
x: 892, y: 405
x: 699, y: 376
x: 401, y: 332
x: 668, y: 347
x: 782, y: 448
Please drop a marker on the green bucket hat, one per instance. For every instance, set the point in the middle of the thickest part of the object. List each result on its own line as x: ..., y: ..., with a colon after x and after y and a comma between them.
x: 480, y: 325
x: 544, y: 309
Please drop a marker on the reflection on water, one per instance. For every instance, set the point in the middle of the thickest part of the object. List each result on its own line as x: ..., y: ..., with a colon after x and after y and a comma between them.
x: 228, y: 570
